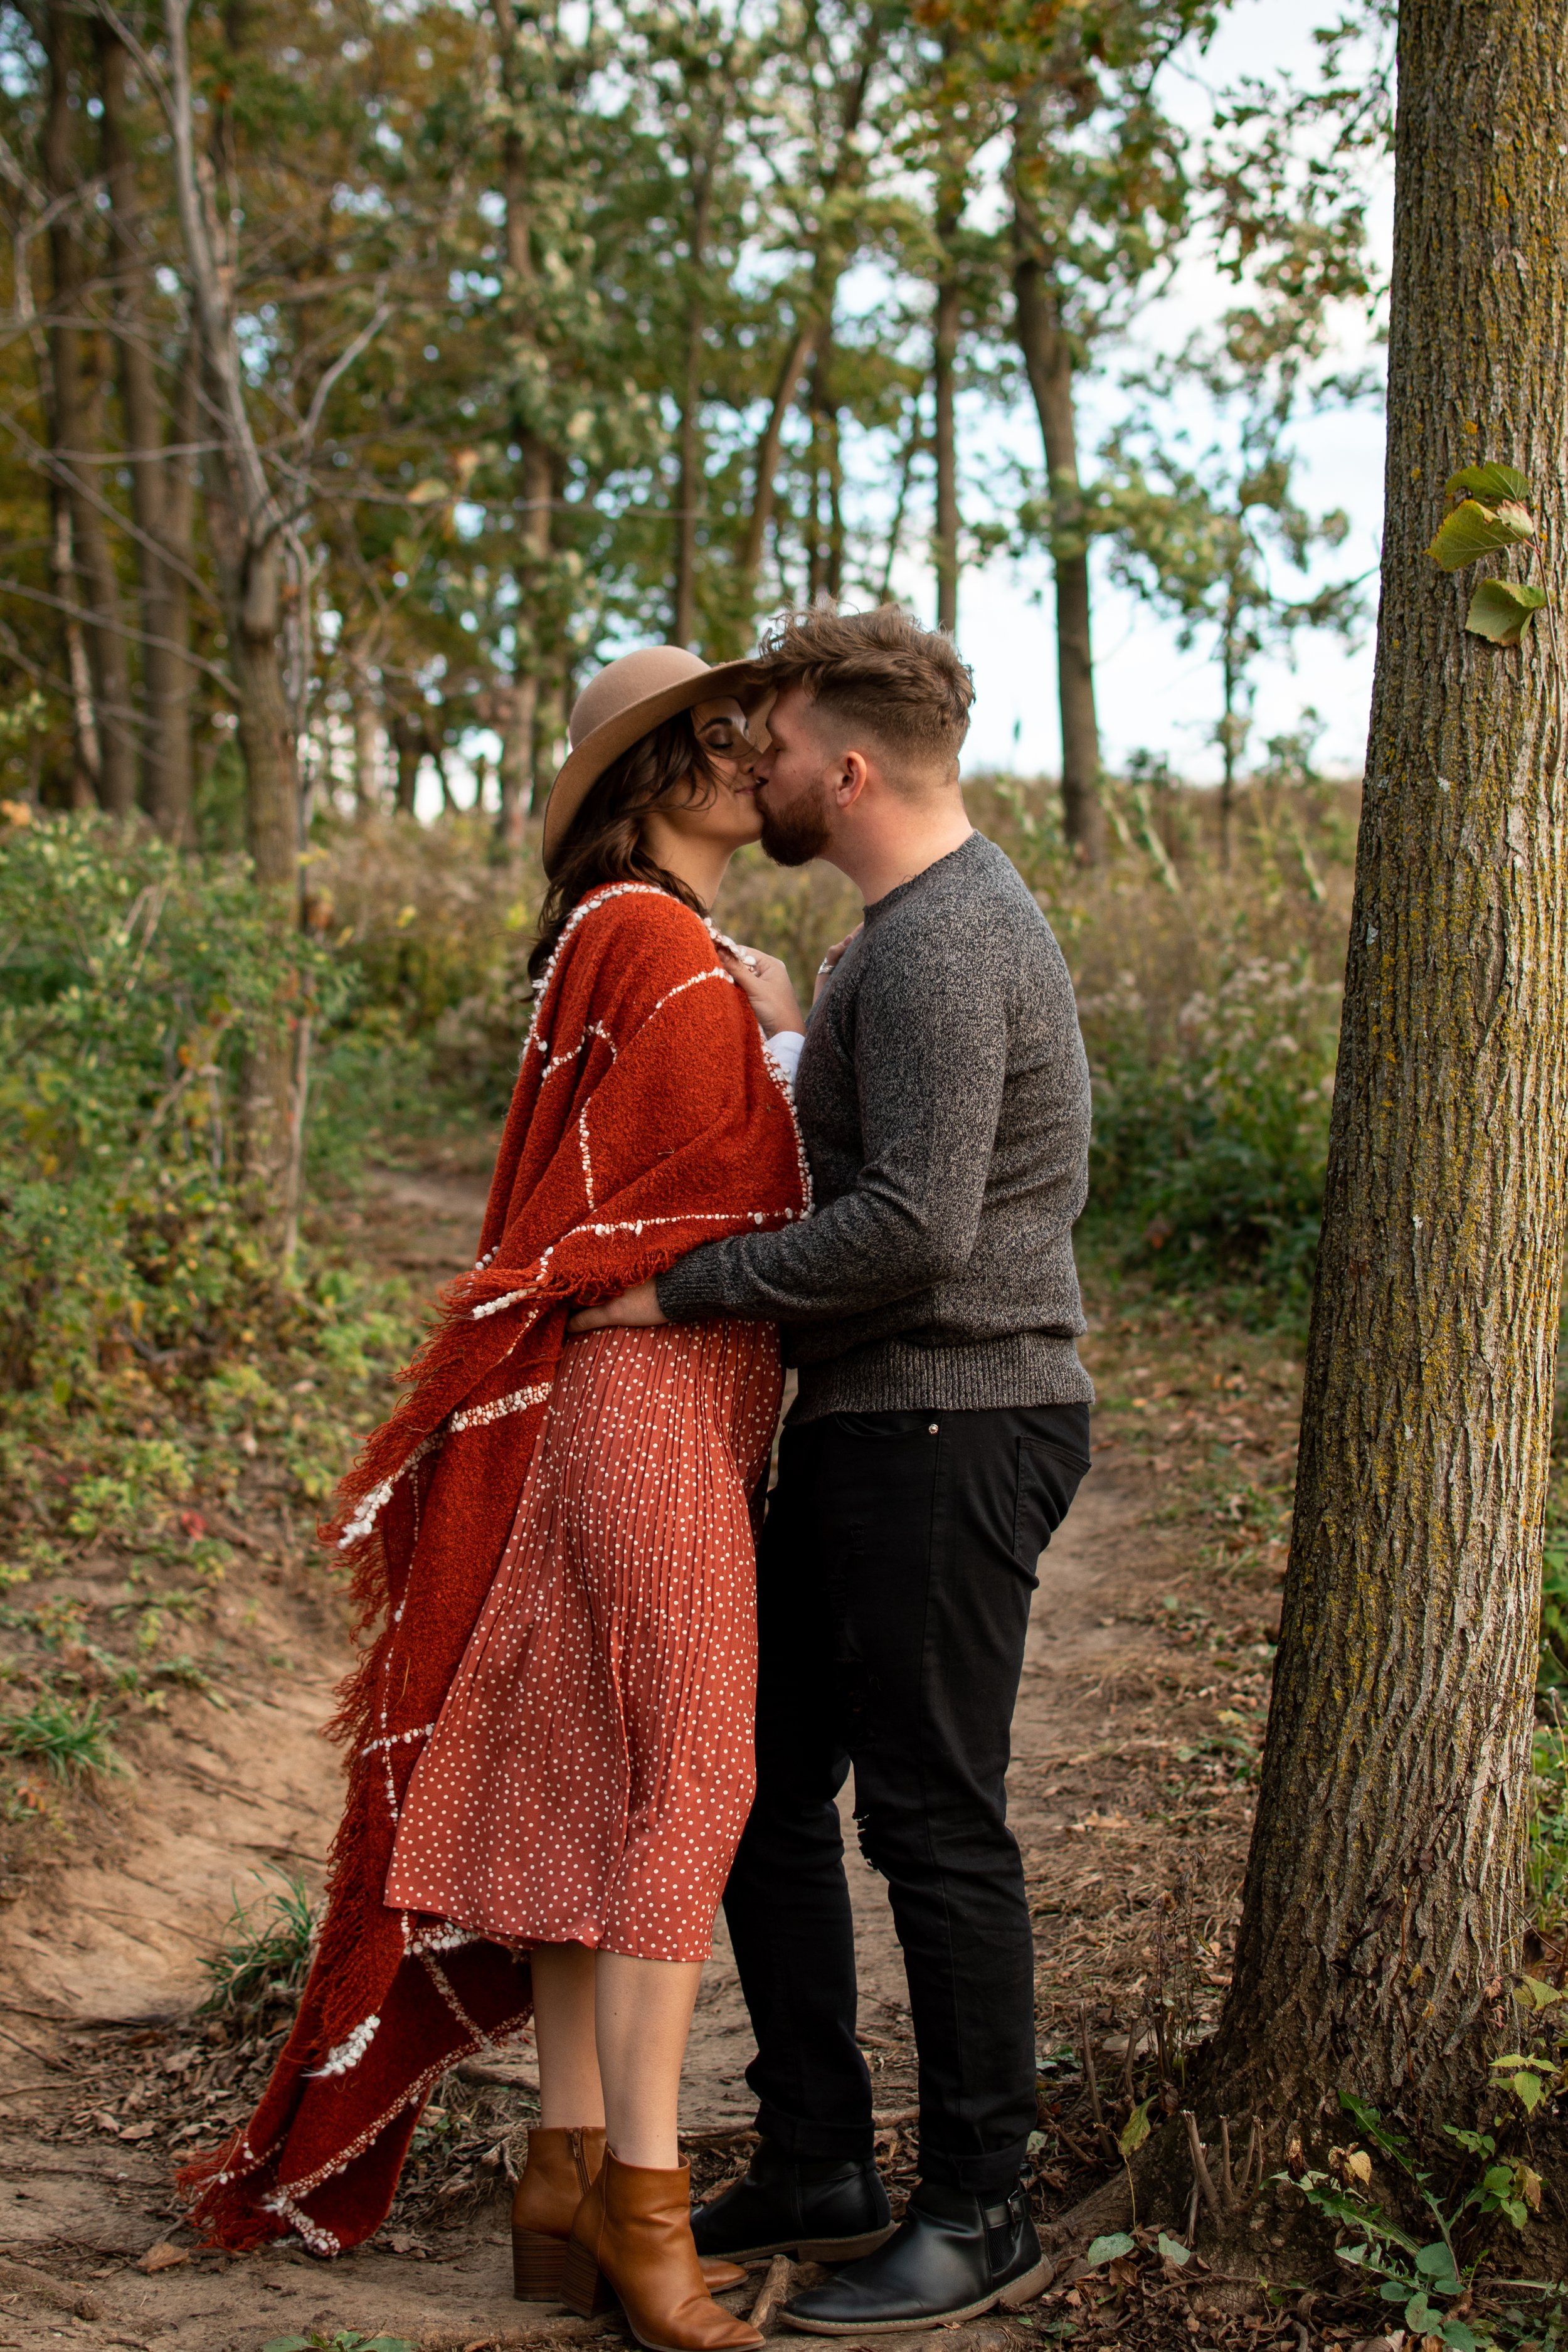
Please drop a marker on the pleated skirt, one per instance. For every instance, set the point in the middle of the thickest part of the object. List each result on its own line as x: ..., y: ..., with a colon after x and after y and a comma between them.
x: 592, y: 1766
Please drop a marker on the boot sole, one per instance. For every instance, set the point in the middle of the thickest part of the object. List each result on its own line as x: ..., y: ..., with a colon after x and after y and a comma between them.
x: 1011, y: 2298
x: 811, y: 2250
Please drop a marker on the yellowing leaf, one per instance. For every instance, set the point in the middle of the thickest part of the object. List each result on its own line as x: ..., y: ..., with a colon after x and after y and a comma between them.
x: 1135, y: 2131
x: 1473, y: 531
x: 427, y: 493
x: 1502, y: 610
x: 1488, y: 482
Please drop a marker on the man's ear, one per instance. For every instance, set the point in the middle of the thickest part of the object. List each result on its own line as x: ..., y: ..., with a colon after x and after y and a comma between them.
x: 850, y: 783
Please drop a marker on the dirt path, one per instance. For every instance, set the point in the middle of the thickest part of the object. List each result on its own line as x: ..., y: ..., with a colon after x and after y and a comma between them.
x: 1127, y: 1791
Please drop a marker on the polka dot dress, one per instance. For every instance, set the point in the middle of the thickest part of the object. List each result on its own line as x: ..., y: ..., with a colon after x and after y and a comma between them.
x: 592, y: 1769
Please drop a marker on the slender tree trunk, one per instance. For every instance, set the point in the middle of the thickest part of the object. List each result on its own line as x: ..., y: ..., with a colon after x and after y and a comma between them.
x: 163, y: 485
x: 77, y: 432
x: 796, y: 359
x: 1047, y: 357
x: 691, y: 475
x: 816, y: 318
x: 408, y: 745
x: 1382, y: 1906
x: 944, y: 370
x: 367, y: 740
x: 549, y: 732
x: 87, y: 764
x: 244, y: 527
x: 536, y: 474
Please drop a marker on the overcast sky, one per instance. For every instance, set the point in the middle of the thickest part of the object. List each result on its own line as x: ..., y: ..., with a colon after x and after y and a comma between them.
x: 1152, y: 696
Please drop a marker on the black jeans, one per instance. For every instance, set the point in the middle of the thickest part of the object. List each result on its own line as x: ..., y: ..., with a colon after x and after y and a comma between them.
x: 894, y: 1575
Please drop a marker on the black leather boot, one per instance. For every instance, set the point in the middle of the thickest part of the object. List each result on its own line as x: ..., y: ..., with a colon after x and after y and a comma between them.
x: 953, y: 2256
x: 827, y: 2209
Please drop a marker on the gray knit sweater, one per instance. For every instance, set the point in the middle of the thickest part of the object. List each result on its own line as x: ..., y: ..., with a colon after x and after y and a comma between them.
x: 943, y: 1099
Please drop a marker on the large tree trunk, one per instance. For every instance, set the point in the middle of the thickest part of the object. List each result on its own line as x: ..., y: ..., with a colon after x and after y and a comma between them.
x: 163, y: 485
x: 944, y: 370
x: 77, y: 431
x: 1048, y: 356
x: 1382, y: 1904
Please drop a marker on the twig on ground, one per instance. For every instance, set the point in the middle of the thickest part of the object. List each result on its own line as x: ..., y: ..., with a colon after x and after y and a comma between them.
x: 1228, y: 2186
x: 1191, y: 2231
x: 1200, y: 2168
x: 772, y: 2293
x: 1089, y: 2076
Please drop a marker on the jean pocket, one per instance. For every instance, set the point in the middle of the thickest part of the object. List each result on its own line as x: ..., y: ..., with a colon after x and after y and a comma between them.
x: 1048, y: 1478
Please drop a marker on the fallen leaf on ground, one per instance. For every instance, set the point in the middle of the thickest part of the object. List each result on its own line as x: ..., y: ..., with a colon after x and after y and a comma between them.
x: 163, y: 2257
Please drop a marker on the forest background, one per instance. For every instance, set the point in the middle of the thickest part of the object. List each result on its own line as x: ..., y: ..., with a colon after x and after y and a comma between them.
x: 369, y: 375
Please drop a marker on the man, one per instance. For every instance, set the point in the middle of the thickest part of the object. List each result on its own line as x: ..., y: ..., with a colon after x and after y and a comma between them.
x: 941, y: 1429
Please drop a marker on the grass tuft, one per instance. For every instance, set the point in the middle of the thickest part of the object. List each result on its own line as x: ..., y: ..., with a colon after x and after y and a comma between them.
x: 73, y: 1742
x: 265, y: 1953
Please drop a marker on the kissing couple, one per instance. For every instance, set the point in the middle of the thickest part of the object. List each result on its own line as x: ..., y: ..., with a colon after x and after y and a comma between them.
x: 590, y: 1705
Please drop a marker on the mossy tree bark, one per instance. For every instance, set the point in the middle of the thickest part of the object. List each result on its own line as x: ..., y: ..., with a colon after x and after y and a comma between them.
x: 1383, y: 1905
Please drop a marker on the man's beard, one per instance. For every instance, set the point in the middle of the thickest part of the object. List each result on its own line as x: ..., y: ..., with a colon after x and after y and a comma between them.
x: 794, y: 835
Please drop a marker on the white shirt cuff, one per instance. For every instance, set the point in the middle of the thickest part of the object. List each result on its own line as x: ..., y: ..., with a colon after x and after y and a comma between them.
x: 782, y: 1050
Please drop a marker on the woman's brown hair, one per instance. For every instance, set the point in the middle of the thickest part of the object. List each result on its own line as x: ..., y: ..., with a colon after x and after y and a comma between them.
x: 605, y: 841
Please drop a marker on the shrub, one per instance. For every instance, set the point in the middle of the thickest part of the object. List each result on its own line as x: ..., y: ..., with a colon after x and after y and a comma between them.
x: 1215, y: 1143
x: 134, y: 987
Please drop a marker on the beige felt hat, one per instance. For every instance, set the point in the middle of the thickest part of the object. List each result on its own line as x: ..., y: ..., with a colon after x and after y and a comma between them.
x: 619, y: 706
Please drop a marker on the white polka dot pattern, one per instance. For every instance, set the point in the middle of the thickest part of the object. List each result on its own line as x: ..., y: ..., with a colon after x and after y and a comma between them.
x: 592, y: 1769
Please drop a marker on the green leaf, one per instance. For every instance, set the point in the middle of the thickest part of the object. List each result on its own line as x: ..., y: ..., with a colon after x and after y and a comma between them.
x: 1136, y: 2129
x: 1110, y: 2249
x: 1434, y: 2261
x: 388, y: 2344
x: 288, y: 2344
x: 1529, y: 2090
x: 1456, y: 2332
x: 1173, y: 2250
x: 1394, y: 2290
x: 1543, y: 1996
x: 1502, y: 611
x: 1419, y: 2317
x: 1473, y: 531
x: 1491, y: 482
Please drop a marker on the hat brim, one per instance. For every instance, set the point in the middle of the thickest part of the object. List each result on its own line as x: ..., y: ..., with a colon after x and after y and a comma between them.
x: 587, y: 762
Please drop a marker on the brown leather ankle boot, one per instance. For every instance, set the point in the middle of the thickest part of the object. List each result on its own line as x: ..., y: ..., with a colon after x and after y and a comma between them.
x: 561, y: 2168
x: 631, y: 2241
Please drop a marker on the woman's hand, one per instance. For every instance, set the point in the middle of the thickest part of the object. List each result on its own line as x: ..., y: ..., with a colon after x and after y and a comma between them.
x: 765, y: 982
x: 825, y: 968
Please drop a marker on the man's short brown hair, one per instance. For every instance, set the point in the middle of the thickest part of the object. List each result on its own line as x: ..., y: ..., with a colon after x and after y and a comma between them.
x: 881, y: 671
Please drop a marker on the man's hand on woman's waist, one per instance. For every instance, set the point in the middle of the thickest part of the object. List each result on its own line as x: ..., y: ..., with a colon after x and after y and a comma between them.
x: 634, y: 1309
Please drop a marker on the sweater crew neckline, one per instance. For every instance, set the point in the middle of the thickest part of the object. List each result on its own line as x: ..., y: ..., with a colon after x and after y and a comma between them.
x: 878, y: 907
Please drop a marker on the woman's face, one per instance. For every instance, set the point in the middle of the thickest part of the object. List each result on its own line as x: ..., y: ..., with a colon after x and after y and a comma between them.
x: 730, y: 817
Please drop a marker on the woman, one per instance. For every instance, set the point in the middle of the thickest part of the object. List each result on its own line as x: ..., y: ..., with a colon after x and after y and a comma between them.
x: 553, y: 1731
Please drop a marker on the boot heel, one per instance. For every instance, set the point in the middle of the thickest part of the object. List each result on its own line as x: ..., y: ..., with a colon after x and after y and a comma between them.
x: 585, y: 2289
x: 1024, y: 2290
x: 842, y: 2250
x: 537, y: 2262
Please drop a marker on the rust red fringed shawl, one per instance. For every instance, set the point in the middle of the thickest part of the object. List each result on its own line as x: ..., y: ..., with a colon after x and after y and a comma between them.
x: 646, y: 1118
